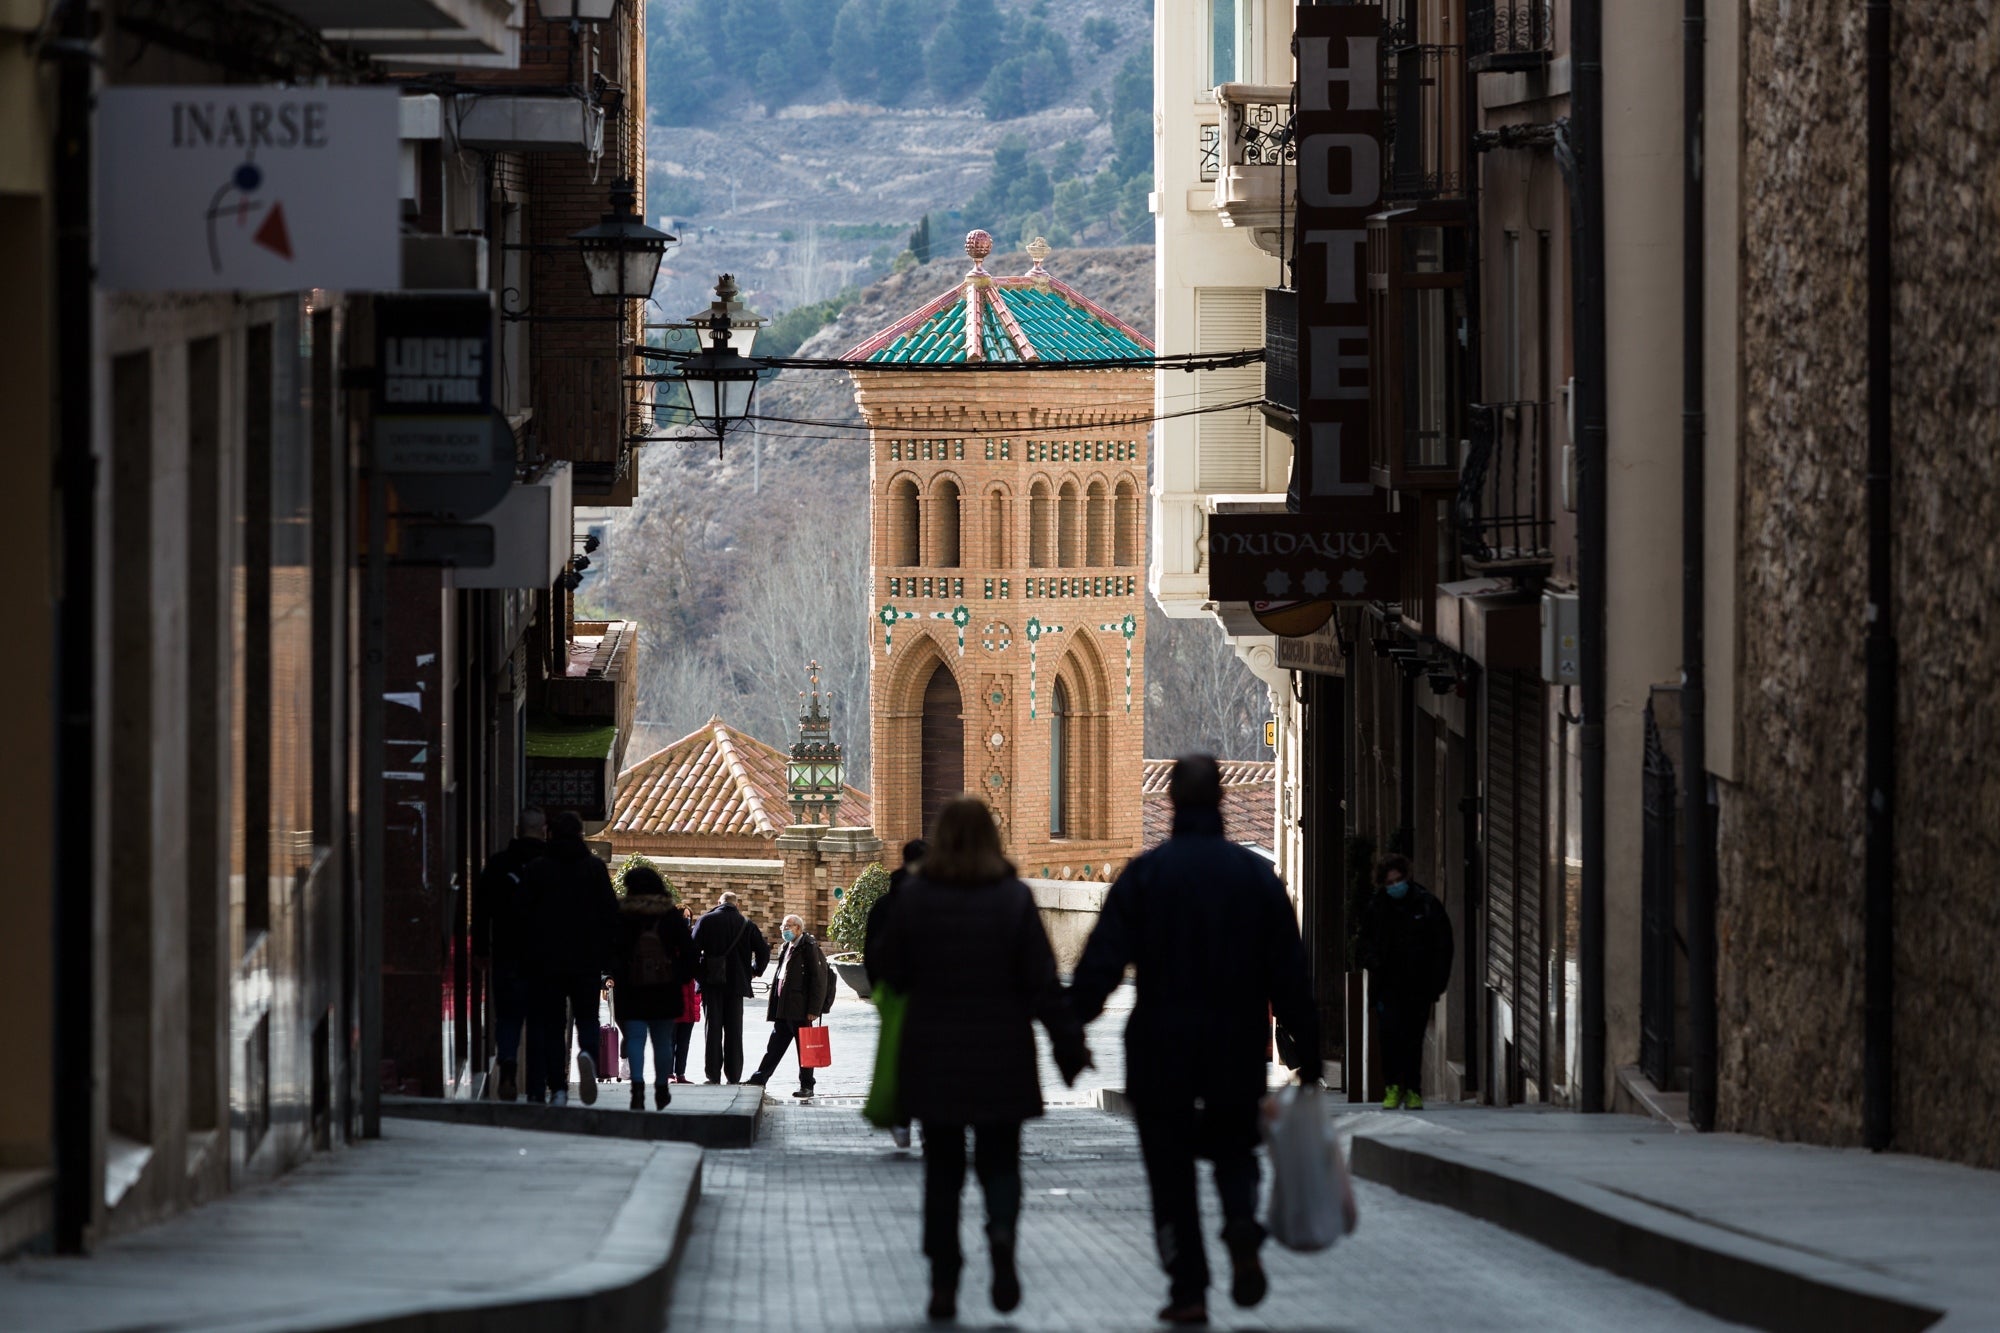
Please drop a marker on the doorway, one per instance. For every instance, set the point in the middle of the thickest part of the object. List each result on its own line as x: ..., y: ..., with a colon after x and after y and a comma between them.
x: 942, y: 758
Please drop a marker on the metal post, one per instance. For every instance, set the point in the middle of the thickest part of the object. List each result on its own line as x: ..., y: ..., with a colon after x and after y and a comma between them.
x: 1694, y: 472
x: 374, y: 680
x: 1879, y: 780
x: 73, y: 881
x: 1587, y: 249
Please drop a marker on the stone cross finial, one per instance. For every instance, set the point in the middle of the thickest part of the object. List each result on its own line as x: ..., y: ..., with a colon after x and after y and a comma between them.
x: 1038, y: 250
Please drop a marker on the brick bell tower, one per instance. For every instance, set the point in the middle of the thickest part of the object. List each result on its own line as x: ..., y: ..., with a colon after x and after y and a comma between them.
x: 1007, y: 551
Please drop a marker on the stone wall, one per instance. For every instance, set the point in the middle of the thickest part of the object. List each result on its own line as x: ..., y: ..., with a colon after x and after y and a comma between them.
x: 1791, y: 836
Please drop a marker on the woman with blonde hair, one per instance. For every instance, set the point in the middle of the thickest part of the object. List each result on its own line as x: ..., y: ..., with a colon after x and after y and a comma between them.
x: 967, y: 947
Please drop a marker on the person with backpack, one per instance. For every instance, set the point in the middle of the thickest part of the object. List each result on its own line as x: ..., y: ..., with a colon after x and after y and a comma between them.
x: 570, y: 914
x: 802, y: 992
x: 1406, y: 945
x: 650, y: 967
x: 729, y: 951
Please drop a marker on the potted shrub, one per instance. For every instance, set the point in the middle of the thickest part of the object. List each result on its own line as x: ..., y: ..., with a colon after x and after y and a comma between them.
x: 849, y: 927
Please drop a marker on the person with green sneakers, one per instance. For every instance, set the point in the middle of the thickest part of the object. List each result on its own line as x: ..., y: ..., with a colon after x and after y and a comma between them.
x: 1406, y: 946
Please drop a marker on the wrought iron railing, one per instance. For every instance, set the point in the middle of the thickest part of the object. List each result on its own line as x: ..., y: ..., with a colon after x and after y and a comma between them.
x: 1508, y: 34
x: 1208, y: 152
x: 1505, y: 520
x: 1424, y: 92
x: 1258, y: 125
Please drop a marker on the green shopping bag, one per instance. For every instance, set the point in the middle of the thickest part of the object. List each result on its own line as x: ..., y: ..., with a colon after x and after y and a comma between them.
x: 884, y: 1106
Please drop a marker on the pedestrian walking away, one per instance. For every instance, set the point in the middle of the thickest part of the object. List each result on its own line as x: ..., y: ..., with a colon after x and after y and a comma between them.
x: 570, y: 917
x: 729, y: 951
x: 878, y: 917
x: 498, y: 943
x: 967, y: 947
x: 1209, y: 930
x: 1406, y: 946
x: 650, y: 968
x: 800, y: 993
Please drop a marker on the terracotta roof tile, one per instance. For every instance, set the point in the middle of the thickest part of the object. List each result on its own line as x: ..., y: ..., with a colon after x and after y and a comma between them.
x: 715, y: 781
x: 1249, y: 801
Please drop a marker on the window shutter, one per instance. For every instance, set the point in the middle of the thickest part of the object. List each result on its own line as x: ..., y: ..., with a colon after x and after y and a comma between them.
x: 1229, y: 446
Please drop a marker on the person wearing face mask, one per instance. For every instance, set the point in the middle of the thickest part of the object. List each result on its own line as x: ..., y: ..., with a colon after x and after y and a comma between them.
x: 1406, y: 947
x: 799, y: 996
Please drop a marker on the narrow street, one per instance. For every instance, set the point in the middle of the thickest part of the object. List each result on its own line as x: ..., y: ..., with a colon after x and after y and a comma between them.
x: 817, y: 1227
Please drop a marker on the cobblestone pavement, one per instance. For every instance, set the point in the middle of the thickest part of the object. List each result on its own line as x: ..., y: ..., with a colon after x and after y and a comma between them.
x: 817, y: 1228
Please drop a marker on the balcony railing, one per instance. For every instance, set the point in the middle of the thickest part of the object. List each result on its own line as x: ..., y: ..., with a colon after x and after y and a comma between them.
x: 1506, y: 36
x: 1505, y: 520
x: 1256, y: 151
x: 1424, y: 95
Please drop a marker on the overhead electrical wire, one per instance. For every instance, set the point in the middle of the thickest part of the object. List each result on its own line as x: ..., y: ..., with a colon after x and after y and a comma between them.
x: 1185, y: 361
x: 1010, y: 433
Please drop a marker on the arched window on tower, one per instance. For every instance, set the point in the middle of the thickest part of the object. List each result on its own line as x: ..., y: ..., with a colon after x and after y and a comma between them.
x: 996, y: 528
x: 1069, y: 527
x: 1097, y: 517
x: 906, y: 525
x: 1127, y: 520
x: 944, y: 523
x: 1059, y: 761
x: 1041, y: 526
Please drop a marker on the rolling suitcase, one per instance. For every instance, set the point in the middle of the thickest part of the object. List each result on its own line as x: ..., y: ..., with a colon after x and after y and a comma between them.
x: 609, y: 1039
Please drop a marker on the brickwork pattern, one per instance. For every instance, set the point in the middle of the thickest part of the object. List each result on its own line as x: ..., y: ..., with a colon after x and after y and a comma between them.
x: 1791, y: 838
x: 1020, y: 498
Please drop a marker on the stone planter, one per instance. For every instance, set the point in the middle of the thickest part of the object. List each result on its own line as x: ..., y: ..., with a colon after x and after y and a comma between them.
x: 848, y: 967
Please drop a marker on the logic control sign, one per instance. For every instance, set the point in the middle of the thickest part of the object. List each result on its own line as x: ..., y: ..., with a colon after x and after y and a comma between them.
x: 248, y: 189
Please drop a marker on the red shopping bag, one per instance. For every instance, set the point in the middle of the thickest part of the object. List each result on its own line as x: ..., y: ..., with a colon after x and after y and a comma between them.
x: 815, y: 1048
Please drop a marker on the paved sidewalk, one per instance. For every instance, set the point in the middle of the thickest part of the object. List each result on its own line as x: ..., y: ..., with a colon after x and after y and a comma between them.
x: 817, y: 1228
x: 1778, y: 1235
x: 433, y: 1227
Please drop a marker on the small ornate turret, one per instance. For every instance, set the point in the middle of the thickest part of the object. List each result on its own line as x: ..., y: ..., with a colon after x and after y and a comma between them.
x: 815, y: 777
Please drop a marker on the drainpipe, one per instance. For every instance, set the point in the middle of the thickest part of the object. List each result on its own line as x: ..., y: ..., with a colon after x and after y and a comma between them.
x: 1694, y: 703
x: 1879, y: 780
x: 74, y: 880
x: 1586, y: 132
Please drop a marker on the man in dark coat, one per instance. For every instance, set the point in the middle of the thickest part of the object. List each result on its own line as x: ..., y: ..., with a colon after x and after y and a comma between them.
x: 570, y: 914
x: 1212, y: 934
x: 729, y: 951
x: 1405, y: 943
x: 799, y: 995
x: 497, y: 943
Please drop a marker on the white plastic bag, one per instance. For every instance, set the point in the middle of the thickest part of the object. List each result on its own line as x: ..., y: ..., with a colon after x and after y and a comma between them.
x: 1312, y: 1196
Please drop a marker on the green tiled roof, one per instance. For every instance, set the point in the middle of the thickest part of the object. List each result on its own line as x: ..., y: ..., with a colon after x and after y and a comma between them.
x: 1055, y: 322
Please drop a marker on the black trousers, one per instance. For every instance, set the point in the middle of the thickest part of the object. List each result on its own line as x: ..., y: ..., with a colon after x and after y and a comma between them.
x: 724, y: 1039
x: 683, y: 1038
x: 783, y: 1031
x: 1171, y: 1138
x: 554, y: 1003
x: 996, y: 1160
x: 1403, y: 1020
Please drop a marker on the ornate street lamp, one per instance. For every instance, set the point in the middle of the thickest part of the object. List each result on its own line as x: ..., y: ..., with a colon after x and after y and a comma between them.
x: 743, y: 321
x: 815, y: 775
x: 720, y: 380
x: 621, y: 252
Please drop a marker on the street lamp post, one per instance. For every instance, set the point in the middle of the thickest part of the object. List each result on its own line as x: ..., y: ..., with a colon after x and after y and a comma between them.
x: 720, y: 380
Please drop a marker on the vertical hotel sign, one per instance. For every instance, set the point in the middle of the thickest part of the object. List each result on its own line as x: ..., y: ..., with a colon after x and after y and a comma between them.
x: 1338, y: 129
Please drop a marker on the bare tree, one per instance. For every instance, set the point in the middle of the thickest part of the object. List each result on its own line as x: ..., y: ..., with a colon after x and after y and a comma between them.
x: 808, y: 268
x: 1199, y: 695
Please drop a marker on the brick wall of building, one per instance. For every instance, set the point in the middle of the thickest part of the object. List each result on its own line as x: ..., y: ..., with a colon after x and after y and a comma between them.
x: 1038, y: 606
x: 1791, y: 846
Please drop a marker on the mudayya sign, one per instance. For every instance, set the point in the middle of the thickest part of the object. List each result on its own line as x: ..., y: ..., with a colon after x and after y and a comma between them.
x: 1350, y: 556
x: 1338, y: 129
x: 248, y: 189
x: 436, y: 433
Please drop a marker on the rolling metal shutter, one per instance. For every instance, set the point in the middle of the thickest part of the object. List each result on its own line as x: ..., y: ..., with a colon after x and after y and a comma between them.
x: 1515, y: 828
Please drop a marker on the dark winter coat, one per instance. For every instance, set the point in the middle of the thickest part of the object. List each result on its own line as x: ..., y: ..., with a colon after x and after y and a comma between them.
x: 977, y: 967
x: 641, y: 914
x: 1406, y: 944
x: 569, y: 913
x: 803, y: 985
x: 1211, y: 933
x: 496, y: 903
x: 748, y: 954
x: 878, y: 917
